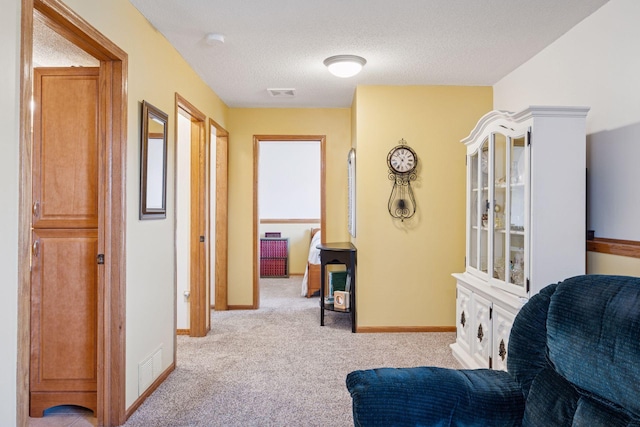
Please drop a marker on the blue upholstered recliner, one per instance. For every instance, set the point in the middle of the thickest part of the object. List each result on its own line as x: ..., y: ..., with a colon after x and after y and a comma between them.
x: 574, y: 360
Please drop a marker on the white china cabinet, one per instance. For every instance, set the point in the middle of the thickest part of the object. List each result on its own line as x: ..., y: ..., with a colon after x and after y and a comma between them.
x: 525, y: 222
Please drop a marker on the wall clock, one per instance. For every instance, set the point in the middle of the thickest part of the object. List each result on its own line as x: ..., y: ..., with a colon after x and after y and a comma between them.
x: 402, y: 162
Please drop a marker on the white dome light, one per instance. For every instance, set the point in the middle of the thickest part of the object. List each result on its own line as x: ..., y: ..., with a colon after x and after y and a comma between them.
x: 345, y: 65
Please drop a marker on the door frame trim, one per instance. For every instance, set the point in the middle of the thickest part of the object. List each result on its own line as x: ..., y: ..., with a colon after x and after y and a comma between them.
x: 323, y: 205
x: 222, y: 216
x: 112, y: 125
x: 200, y: 300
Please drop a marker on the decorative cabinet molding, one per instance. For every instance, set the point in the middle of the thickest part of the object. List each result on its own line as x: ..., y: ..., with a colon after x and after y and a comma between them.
x: 525, y: 221
x: 481, y: 327
x: 502, y: 322
x: 463, y: 314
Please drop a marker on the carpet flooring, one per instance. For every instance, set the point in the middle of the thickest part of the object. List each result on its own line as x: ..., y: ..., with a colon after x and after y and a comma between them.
x: 276, y: 366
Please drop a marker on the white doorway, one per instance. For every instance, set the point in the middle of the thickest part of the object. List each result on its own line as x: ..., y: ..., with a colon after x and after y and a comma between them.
x: 193, y: 314
x: 183, y: 213
x: 286, y: 197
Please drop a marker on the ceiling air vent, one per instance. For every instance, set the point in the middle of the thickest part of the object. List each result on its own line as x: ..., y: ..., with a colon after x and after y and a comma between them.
x: 282, y: 93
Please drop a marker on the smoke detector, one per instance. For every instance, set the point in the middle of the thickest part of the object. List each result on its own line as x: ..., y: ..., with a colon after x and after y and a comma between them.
x: 214, y: 38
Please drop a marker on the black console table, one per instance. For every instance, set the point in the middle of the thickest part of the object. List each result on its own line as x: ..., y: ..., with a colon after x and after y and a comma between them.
x: 338, y: 253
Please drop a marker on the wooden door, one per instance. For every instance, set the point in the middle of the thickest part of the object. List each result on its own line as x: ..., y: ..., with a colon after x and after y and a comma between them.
x: 65, y: 233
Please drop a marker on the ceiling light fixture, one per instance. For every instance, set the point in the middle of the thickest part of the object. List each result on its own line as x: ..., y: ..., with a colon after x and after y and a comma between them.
x: 214, y: 38
x: 345, y: 65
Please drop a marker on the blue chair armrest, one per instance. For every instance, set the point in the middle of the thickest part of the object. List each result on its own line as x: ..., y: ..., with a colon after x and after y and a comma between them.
x: 430, y: 396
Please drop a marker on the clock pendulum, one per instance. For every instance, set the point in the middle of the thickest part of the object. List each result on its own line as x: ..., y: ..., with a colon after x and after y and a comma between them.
x: 402, y: 162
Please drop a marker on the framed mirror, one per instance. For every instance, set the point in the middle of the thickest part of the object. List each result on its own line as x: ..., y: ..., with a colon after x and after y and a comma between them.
x: 153, y: 163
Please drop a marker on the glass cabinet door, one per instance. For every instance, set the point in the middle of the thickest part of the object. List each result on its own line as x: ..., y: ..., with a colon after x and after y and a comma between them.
x: 498, y: 176
x: 479, y: 165
x: 499, y: 183
x: 503, y: 211
x: 473, y: 226
x: 483, y: 198
x: 517, y: 212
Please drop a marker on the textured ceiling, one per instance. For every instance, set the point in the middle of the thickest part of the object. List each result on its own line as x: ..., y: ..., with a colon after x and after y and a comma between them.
x: 282, y: 43
x: 52, y: 50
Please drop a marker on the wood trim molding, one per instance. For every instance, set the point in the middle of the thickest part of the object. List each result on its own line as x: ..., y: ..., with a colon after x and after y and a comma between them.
x: 74, y: 28
x: 323, y: 189
x: 222, y: 215
x: 395, y: 329
x: 290, y: 221
x: 24, y: 227
x: 240, y: 307
x: 152, y: 388
x: 254, y: 252
x: 323, y: 206
x: 200, y: 300
x: 113, y: 132
x: 190, y: 108
x: 627, y: 248
x: 183, y: 332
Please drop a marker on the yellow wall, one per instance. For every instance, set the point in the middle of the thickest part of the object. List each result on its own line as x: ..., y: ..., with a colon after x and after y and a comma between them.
x: 299, y: 236
x: 600, y: 263
x: 404, y: 268
x: 155, y: 72
x: 243, y: 124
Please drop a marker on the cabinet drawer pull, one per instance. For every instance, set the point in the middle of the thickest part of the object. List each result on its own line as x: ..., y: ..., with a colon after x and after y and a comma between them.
x: 502, y: 350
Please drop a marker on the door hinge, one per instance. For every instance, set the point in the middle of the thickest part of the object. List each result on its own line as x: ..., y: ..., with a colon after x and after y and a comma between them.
x: 201, y: 239
x: 529, y: 137
x: 490, y: 312
x: 490, y: 362
x: 100, y: 258
x: 528, y: 285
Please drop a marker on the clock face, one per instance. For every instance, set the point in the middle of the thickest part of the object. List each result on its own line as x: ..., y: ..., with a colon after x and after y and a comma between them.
x: 402, y: 159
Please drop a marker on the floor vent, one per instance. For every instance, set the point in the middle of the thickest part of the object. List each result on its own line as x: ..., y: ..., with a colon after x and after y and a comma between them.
x: 148, y: 370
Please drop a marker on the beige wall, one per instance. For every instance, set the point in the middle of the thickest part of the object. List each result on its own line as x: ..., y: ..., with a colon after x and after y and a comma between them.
x: 243, y: 124
x: 592, y: 65
x: 600, y: 263
x: 299, y: 236
x: 155, y: 72
x: 404, y: 268
x: 9, y: 172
